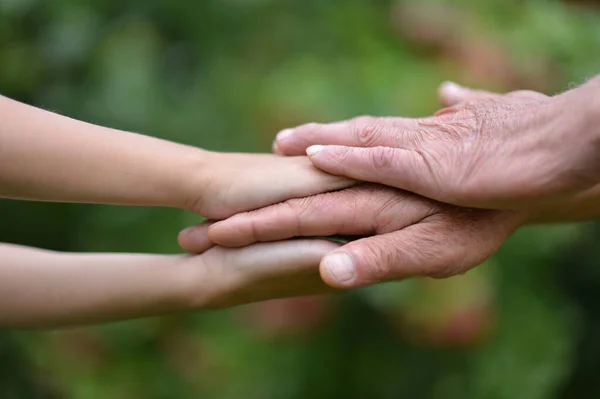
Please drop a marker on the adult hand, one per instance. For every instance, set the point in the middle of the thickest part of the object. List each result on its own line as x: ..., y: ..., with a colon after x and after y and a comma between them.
x: 415, y: 236
x: 510, y: 151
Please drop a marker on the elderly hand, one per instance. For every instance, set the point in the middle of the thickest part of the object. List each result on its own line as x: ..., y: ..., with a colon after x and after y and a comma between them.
x: 512, y: 151
x: 415, y: 236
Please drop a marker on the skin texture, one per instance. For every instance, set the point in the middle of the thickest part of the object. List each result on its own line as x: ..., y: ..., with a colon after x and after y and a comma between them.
x: 412, y: 235
x: 42, y: 289
x: 49, y: 157
x: 513, y: 151
x: 243, y: 182
x: 581, y: 206
x: 407, y: 235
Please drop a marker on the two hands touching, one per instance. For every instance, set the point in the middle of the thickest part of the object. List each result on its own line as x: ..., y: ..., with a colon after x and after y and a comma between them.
x: 451, y: 188
x: 443, y: 193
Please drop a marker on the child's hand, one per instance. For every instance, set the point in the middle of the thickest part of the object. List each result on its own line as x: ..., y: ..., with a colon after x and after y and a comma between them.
x: 41, y: 288
x: 234, y: 182
x: 229, y: 277
x: 48, y: 157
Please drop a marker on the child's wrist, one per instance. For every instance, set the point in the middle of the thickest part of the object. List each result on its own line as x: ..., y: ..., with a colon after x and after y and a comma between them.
x: 192, y: 173
x: 200, y: 288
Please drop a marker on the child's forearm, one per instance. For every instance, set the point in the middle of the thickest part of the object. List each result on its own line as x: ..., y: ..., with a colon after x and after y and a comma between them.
x: 46, y: 156
x: 45, y: 288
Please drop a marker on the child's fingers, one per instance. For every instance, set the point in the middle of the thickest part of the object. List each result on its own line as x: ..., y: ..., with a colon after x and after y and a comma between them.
x: 194, y: 239
x: 263, y: 271
x: 287, y: 178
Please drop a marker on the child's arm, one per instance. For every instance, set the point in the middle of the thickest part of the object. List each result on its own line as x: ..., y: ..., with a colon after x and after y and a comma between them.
x: 41, y: 288
x: 49, y: 157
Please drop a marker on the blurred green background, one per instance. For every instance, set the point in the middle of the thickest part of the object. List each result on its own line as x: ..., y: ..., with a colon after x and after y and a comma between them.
x: 227, y: 75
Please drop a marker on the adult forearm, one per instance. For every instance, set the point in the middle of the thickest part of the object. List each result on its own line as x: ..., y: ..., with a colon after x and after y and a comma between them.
x: 581, y: 207
x: 41, y: 288
x: 578, y: 112
x: 46, y: 156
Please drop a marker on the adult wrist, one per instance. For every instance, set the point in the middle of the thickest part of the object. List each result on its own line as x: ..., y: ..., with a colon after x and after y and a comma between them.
x: 579, y: 109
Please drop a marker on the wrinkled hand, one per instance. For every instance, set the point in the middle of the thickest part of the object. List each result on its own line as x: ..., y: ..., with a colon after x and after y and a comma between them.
x: 415, y: 236
x: 486, y: 150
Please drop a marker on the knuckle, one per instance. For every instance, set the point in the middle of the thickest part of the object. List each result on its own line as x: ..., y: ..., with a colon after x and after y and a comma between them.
x: 467, y: 246
x: 367, y: 131
x: 341, y: 154
x: 438, y: 253
x: 435, y: 166
x: 382, y: 159
x: 252, y: 222
x: 297, y: 210
x: 456, y: 130
x: 300, y: 206
x: 377, y: 259
x: 305, y: 211
x: 458, y: 127
x: 448, y: 262
x: 386, y: 212
x: 363, y: 120
x: 470, y: 123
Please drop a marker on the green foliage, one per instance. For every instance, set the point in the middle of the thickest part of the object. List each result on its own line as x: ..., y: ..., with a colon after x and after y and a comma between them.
x: 227, y: 75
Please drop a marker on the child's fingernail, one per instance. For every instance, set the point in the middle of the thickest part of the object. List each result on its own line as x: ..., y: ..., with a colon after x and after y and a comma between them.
x: 341, y: 268
x: 276, y: 149
x: 314, y: 150
x: 284, y: 134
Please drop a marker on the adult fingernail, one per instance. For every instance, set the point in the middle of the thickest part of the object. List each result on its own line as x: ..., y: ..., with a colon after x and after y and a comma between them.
x: 314, y: 150
x: 284, y: 134
x: 341, y: 268
x: 452, y: 90
x: 451, y: 86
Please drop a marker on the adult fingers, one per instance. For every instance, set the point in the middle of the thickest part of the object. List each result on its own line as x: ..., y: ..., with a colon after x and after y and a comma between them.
x: 361, y: 210
x: 415, y: 170
x: 195, y: 239
x: 364, y: 131
x: 440, y: 246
